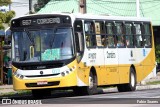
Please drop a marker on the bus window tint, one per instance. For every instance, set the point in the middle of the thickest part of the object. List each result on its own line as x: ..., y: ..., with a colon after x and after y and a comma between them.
x: 110, y: 35
x: 100, y: 34
x: 78, y: 26
x: 129, y: 34
x: 147, y: 35
x: 120, y: 35
x: 90, y: 34
x: 138, y: 35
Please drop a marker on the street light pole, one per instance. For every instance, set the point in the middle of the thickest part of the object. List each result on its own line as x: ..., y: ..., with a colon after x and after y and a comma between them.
x: 137, y: 8
x: 82, y: 6
x: 30, y: 6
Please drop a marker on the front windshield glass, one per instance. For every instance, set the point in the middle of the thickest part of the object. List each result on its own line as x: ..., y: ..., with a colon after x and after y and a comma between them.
x: 42, y: 45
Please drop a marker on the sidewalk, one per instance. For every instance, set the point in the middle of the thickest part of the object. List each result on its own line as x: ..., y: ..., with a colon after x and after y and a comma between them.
x: 4, y: 89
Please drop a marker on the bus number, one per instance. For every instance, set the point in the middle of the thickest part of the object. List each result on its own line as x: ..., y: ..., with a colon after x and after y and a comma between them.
x: 92, y: 55
x: 26, y: 22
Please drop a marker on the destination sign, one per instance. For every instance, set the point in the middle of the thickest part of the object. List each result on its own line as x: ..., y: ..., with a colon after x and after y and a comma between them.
x: 40, y: 20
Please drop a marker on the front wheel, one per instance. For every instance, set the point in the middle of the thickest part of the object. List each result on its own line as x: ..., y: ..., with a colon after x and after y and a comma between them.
x: 88, y: 90
x: 92, y: 88
x: 131, y: 86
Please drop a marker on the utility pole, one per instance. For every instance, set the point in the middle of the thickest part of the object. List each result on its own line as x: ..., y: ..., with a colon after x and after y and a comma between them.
x: 82, y: 6
x: 9, y: 7
x: 137, y: 8
x: 30, y: 6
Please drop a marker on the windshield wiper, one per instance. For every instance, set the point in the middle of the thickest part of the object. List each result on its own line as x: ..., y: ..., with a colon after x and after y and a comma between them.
x: 54, y: 35
x: 30, y: 38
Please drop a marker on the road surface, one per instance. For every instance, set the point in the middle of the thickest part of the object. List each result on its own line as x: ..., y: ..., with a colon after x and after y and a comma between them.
x: 151, y: 96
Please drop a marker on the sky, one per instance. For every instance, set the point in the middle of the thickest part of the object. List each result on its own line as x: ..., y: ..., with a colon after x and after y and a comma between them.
x: 21, y: 7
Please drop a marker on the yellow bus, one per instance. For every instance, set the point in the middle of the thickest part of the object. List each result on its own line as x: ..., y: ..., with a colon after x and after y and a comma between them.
x: 80, y: 52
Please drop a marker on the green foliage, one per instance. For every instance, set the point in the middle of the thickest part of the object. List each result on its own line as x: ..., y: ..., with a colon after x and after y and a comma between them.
x: 40, y: 4
x: 157, y: 51
x: 5, y: 2
x: 5, y: 17
x: 9, y: 16
x: 1, y: 26
x: 153, y: 83
x: 2, y: 17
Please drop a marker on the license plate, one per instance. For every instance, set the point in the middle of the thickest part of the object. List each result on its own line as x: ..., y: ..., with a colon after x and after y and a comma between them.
x: 42, y: 82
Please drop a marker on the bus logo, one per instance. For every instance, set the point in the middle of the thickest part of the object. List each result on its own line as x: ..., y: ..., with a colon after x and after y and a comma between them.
x: 41, y: 72
x: 56, y: 71
x: 111, y: 55
x: 131, y: 53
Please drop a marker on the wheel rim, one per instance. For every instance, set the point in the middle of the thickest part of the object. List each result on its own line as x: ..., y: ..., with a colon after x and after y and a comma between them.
x: 132, y: 80
x: 90, y: 82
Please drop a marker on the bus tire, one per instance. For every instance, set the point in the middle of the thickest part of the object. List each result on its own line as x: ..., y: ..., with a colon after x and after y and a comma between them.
x: 87, y: 90
x: 131, y: 86
x: 92, y: 88
x: 40, y: 93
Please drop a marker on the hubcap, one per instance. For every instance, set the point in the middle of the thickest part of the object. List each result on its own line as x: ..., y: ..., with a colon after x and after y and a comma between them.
x: 90, y: 82
x: 132, y: 80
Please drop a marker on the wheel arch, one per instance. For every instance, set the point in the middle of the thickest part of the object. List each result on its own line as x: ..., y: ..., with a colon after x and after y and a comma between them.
x: 93, y: 70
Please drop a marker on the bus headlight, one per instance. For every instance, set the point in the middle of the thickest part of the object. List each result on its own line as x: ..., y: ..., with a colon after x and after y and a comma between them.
x: 66, y: 72
x: 21, y: 77
x: 63, y: 74
x: 18, y: 75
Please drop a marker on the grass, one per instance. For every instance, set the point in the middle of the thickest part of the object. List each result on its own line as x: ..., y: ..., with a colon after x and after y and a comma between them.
x: 153, y: 83
x: 25, y: 92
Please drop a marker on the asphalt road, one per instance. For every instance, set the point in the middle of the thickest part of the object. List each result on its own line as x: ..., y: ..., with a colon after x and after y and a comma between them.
x: 151, y: 96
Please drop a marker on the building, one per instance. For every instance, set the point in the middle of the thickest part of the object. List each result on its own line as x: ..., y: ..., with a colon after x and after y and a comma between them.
x: 148, y: 8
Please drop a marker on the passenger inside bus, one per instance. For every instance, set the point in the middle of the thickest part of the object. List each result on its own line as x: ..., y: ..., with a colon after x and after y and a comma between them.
x: 120, y: 41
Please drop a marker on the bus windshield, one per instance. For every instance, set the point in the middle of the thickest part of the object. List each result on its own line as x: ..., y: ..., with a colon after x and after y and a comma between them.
x: 42, y: 45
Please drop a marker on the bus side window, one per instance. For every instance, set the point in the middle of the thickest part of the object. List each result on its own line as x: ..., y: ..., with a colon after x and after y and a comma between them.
x: 110, y: 40
x: 78, y: 26
x: 100, y: 34
x: 138, y: 35
x: 129, y: 35
x: 147, y: 35
x: 120, y: 35
x: 90, y: 34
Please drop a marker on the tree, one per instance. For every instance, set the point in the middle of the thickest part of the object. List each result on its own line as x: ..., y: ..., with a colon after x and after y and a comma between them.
x: 40, y: 4
x: 157, y: 51
x: 5, y: 2
x: 5, y: 17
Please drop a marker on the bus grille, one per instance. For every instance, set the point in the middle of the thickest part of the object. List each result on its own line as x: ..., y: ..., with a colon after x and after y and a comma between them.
x: 30, y: 76
x: 49, y: 84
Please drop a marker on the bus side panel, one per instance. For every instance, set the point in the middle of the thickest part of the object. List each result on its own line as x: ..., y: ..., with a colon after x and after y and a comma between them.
x: 82, y: 74
x: 139, y: 72
x: 149, y: 63
x: 126, y: 58
x: 101, y: 75
x: 111, y: 64
x: 139, y: 64
x: 124, y: 73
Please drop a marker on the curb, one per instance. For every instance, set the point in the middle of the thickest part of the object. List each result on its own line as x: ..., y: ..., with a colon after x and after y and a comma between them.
x: 142, y: 87
x: 139, y: 87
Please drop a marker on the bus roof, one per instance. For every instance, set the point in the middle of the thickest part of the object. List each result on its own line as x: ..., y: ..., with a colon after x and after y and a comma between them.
x: 92, y: 16
x: 105, y: 17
